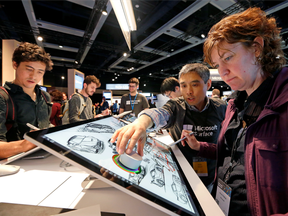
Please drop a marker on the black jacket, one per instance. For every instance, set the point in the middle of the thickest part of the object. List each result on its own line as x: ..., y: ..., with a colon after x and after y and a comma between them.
x: 36, y: 112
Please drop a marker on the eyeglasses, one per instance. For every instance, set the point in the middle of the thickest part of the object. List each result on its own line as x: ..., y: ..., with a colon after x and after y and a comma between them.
x: 132, y: 86
x: 169, y: 95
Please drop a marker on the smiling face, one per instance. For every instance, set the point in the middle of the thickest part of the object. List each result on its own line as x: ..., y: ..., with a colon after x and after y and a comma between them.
x: 193, y: 89
x: 133, y: 88
x: 28, y: 74
x: 237, y: 66
x: 89, y: 89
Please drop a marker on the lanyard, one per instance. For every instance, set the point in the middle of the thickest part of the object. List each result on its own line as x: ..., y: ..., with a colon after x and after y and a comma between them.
x: 132, y: 106
x: 234, y: 148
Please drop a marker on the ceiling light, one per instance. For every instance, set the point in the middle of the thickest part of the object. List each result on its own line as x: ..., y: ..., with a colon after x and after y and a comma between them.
x: 40, y: 38
x: 116, y: 77
x: 144, y: 84
x: 139, y: 77
x: 136, y: 6
x: 115, y: 74
x: 202, y: 35
x: 124, y: 54
x: 60, y: 46
x: 104, y: 11
x: 76, y: 62
x: 150, y: 74
x: 124, y: 13
x: 62, y: 77
x: 112, y: 79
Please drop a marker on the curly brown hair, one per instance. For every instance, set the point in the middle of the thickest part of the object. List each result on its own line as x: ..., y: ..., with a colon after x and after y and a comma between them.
x: 57, y: 95
x: 134, y: 80
x: 92, y: 78
x: 244, y: 27
x: 27, y: 52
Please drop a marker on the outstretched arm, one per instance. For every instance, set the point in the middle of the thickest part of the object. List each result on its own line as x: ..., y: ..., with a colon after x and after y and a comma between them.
x: 136, y: 132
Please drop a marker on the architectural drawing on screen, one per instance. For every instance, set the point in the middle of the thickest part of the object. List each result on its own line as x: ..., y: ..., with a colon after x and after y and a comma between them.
x: 157, y: 174
x: 97, y: 128
x: 178, y: 190
x: 86, y: 144
x: 137, y: 178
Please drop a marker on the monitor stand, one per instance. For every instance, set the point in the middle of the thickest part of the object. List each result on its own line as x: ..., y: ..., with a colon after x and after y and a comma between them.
x: 8, y: 169
x: 92, y: 182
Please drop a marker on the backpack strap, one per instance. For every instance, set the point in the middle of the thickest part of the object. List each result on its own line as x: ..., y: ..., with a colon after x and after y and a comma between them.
x: 10, y: 110
x: 44, y: 96
x: 82, y: 104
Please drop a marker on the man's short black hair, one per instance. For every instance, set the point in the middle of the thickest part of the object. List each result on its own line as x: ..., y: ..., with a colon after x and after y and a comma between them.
x: 169, y: 84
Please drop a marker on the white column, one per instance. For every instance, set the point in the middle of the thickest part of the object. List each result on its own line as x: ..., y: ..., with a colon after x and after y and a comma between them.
x: 8, y: 47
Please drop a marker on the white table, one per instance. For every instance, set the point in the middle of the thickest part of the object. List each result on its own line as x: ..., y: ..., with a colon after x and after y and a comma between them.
x: 43, y: 182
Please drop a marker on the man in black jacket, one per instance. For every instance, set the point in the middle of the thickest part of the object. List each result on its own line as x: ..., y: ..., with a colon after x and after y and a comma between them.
x: 31, y: 105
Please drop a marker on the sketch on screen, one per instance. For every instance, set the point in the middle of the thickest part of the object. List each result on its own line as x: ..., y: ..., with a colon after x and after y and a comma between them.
x: 137, y: 178
x: 157, y: 174
x: 164, y: 159
x: 112, y: 146
x: 178, y: 190
x: 86, y: 144
x: 97, y: 128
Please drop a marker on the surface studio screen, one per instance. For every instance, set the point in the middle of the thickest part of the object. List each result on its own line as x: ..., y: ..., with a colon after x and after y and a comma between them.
x: 158, y: 175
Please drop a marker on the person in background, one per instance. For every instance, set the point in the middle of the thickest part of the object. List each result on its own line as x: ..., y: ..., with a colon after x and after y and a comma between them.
x: 56, y: 97
x: 115, y: 108
x: 104, y: 104
x: 90, y: 84
x: 216, y: 96
x: 150, y: 104
x: 215, y: 93
x: 30, y: 63
x: 170, y: 87
x: 133, y: 101
x: 64, y: 96
x: 193, y: 110
x: 252, y: 156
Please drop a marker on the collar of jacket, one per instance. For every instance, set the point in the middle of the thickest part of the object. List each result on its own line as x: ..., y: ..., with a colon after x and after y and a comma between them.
x: 193, y: 108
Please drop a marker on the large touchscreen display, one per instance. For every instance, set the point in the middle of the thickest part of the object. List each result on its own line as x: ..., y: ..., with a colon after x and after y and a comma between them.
x: 158, y: 174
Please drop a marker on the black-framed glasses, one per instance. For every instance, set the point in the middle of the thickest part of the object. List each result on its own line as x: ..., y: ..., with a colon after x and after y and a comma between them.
x: 168, y: 95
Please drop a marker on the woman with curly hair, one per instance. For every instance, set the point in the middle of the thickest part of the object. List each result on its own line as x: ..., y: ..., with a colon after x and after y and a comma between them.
x: 252, y: 148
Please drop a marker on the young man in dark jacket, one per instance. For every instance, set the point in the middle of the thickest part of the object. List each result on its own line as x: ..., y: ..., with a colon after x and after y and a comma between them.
x: 30, y: 63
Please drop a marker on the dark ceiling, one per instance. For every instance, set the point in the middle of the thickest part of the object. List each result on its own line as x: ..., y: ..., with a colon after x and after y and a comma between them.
x: 168, y: 35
